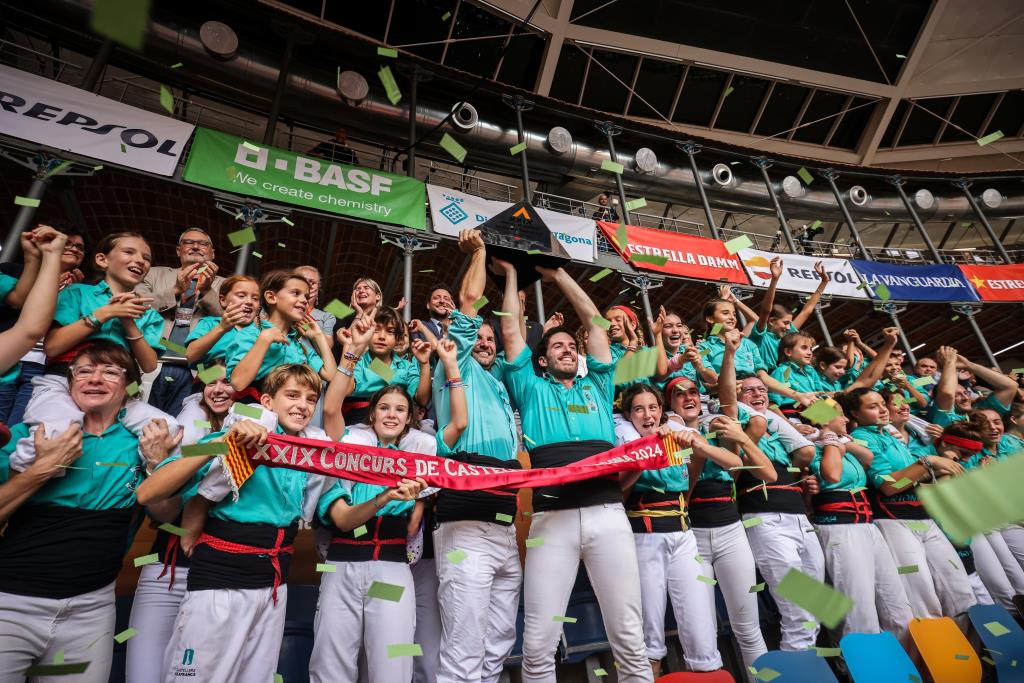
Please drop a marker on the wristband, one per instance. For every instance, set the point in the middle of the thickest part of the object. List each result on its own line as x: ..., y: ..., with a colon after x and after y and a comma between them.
x: 350, y: 356
x: 133, y: 338
x: 928, y: 466
x: 92, y: 321
x: 375, y: 502
x: 344, y: 371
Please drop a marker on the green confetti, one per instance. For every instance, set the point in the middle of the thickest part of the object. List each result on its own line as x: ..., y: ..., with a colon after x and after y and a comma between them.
x: 123, y: 21
x: 903, y: 483
x: 612, y: 166
x: 954, y: 318
x: 387, y: 52
x: 339, y: 309
x: 456, y: 556
x: 757, y: 588
x: 767, y: 674
x: 113, y: 464
x: 166, y: 99
x: 810, y: 625
x: 446, y: 16
x: 752, y: 521
x: 257, y: 254
x: 564, y: 620
x: 124, y: 150
x: 132, y: 389
x: 171, y: 346
x: 26, y: 201
x: 480, y: 303
x: 500, y: 314
x: 622, y: 237
x: 923, y: 381
x: 174, y: 530
x: 805, y: 176
x: 815, y: 225
x: 146, y: 559
x: 359, y: 531
x: 996, y: 629
x: 282, y: 244
x: 728, y: 91
x: 177, y: 66
x: 202, y: 424
x: 242, y: 237
x: 793, y: 470
x: 125, y: 635
x: 450, y: 145
x: 600, y: 275
x: 649, y: 258
x: 706, y: 579
x: 212, y: 374
x: 59, y: 657
x: 502, y: 517
x: 824, y: 602
x: 635, y: 204
x: 381, y: 369
x: 385, y: 591
x: 326, y: 567
x: 534, y: 542
x: 737, y: 243
x: 534, y: 251
x: 962, y: 658
x: 245, y: 410
x: 204, y: 449
x: 59, y: 168
x: 915, y: 525
x: 882, y: 292
x: 248, y: 145
x: 404, y: 650
x: 990, y: 138
x: 516, y: 149
x: 828, y: 651
x: 715, y: 329
x: 907, y: 569
x: 899, y: 56
x: 601, y: 321
x: 978, y: 501
x: 639, y: 365
x: 286, y: 221
x: 394, y: 95
x: 599, y: 672
x: 98, y: 168
x: 56, y: 669
x: 820, y: 413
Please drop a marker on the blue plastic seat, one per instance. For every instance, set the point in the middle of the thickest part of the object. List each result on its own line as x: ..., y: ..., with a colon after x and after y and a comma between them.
x: 877, y: 658
x: 297, y: 643
x: 587, y: 636
x: 1003, y: 649
x: 797, y: 667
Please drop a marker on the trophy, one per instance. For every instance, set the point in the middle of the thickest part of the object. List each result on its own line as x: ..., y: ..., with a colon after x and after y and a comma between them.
x: 519, y: 235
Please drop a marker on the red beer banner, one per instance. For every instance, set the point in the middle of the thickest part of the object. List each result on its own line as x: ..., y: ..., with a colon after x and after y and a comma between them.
x: 996, y: 283
x: 698, y: 258
x: 384, y: 466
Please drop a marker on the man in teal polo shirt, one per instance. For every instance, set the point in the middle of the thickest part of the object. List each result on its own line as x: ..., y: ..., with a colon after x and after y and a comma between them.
x: 950, y: 399
x: 567, y: 418
x: 478, y: 598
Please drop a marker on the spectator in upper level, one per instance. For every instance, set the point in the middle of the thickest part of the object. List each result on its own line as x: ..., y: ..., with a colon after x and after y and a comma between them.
x: 183, y: 296
x: 605, y: 208
x: 337, y: 150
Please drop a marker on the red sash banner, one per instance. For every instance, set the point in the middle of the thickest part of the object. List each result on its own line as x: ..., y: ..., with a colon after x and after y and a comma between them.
x: 385, y: 466
x: 697, y: 258
x: 996, y: 283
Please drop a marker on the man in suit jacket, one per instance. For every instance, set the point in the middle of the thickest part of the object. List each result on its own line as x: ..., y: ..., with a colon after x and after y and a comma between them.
x: 182, y: 296
x: 439, y: 305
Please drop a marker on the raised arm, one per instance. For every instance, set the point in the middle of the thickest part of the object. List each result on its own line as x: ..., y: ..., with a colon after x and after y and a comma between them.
x: 725, y: 292
x: 727, y: 375
x: 808, y: 309
x: 512, y: 337
x: 17, y: 296
x: 245, y: 372
x: 475, y: 279
x: 37, y: 313
x: 456, y: 389
x: 768, y: 300
x: 354, y: 342
x: 944, y: 395
x: 1003, y: 388
x: 586, y: 311
x: 873, y: 372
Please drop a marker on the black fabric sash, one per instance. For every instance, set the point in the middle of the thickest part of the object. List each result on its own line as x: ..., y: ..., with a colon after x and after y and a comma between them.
x: 212, y: 569
x: 482, y: 505
x: 598, y: 491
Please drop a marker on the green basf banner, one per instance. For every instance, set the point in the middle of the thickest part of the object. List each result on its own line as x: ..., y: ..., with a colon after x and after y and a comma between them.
x: 229, y: 163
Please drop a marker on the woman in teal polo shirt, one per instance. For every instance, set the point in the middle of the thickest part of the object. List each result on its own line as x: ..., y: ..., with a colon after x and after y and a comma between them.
x: 679, y: 356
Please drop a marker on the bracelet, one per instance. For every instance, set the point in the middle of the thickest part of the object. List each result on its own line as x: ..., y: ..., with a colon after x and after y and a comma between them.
x: 92, y: 321
x: 375, y: 502
x: 347, y: 373
x: 134, y: 338
x: 455, y: 385
x: 928, y: 466
x: 631, y: 348
x: 350, y: 356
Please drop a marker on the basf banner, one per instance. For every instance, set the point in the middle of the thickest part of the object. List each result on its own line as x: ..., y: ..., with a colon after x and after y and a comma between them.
x: 230, y: 163
x: 798, y: 273
x: 74, y: 120
x: 933, y: 282
x: 699, y: 258
x: 996, y: 283
x: 452, y: 211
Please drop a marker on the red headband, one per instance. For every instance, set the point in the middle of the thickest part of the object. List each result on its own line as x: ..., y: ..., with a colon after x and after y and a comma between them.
x: 671, y: 386
x: 628, y: 312
x: 961, y: 442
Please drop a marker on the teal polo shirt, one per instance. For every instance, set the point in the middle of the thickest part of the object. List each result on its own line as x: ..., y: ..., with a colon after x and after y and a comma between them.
x: 767, y: 343
x: 492, y: 426
x: 77, y: 300
x: 772, y: 446
x: 830, y: 386
x: 89, y: 483
x: 295, y: 351
x: 405, y: 373
x: 1008, y: 445
x: 801, y: 378
x: 944, y: 418
x: 853, y: 476
x: 7, y: 285
x: 747, y: 360
x: 552, y: 413
x: 220, y: 350
x: 919, y: 448
x: 687, y: 371
x: 891, y: 455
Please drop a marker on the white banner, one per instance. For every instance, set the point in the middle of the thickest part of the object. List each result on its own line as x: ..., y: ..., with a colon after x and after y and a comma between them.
x: 798, y: 273
x: 67, y: 118
x: 451, y: 211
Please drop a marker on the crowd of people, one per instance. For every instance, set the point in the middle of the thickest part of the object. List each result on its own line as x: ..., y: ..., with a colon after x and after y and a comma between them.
x: 797, y: 455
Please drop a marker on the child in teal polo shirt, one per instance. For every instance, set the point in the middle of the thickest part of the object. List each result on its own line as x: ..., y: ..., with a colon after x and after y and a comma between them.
x: 213, y: 336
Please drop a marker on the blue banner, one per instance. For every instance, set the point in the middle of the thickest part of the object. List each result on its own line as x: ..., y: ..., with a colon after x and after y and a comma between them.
x: 930, y: 282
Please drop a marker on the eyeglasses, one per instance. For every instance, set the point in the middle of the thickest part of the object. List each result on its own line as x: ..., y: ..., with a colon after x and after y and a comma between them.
x: 754, y: 390
x: 205, y: 244
x: 109, y: 373
x: 74, y: 246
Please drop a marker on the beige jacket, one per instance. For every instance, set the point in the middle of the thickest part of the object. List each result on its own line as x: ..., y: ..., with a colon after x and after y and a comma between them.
x: 159, y: 284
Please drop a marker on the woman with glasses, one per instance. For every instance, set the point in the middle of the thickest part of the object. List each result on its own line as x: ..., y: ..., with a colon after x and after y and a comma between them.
x: 69, y: 517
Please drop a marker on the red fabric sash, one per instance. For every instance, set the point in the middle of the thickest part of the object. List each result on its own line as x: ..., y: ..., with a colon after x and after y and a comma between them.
x: 385, y: 467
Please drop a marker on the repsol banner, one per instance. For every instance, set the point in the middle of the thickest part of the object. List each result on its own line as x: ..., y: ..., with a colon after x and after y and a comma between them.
x: 39, y: 110
x: 230, y: 163
x: 932, y: 282
x: 452, y: 211
x: 996, y: 283
x: 798, y: 274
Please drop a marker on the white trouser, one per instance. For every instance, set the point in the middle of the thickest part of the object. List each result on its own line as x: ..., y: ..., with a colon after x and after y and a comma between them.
x: 428, y: 620
x: 981, y: 593
x: 228, y: 635
x: 784, y: 541
x: 1014, y: 537
x: 599, y: 535
x: 33, y: 630
x: 726, y: 557
x: 863, y: 569
x: 789, y: 437
x: 479, y: 597
x: 348, y: 621
x: 668, y: 570
x: 153, y: 613
x: 940, y: 586
x: 998, y: 568
x: 52, y: 406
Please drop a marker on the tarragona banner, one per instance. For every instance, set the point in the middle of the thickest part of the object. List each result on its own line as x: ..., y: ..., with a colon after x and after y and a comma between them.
x: 229, y: 163
x: 698, y: 258
x: 996, y: 283
x: 385, y: 466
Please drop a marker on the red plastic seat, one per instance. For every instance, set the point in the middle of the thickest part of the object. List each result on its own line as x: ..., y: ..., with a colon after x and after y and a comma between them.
x: 720, y: 676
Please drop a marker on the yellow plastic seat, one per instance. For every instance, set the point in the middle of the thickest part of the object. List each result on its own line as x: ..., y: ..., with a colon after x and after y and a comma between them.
x: 945, y: 651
